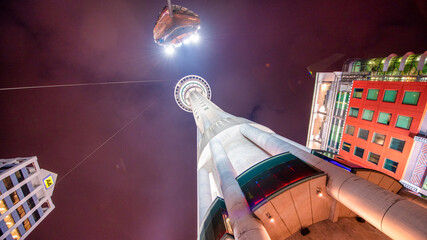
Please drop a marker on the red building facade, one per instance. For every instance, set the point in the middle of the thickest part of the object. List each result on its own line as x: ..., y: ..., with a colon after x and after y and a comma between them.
x: 382, y: 119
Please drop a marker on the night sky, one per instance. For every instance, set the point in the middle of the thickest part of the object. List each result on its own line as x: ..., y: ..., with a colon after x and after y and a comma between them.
x: 140, y: 182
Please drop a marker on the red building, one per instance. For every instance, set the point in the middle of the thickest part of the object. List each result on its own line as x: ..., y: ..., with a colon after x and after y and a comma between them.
x: 382, y: 119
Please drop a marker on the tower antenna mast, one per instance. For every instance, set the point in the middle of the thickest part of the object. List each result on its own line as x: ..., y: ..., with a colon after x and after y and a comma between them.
x: 170, y: 8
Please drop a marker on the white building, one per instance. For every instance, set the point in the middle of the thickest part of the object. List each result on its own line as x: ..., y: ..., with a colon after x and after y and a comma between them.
x: 25, y: 200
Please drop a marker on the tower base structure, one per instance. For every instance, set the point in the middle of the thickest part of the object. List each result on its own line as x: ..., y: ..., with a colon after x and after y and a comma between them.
x: 255, y: 184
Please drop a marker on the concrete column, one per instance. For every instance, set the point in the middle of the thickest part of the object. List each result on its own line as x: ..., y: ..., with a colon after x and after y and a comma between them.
x: 390, y: 213
x: 245, y: 225
x: 204, y: 196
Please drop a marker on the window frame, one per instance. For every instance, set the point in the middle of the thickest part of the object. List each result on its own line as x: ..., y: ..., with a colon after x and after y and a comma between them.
x: 391, y: 141
x: 344, y: 145
x: 385, y: 163
x: 403, y: 100
x: 355, y: 149
x: 410, y: 122
x: 369, y: 157
x: 374, y: 138
x: 346, y: 129
x: 350, y: 111
x: 354, y: 93
x: 390, y: 90
x: 373, y: 89
x: 389, y: 119
x: 363, y: 114
x: 358, y: 134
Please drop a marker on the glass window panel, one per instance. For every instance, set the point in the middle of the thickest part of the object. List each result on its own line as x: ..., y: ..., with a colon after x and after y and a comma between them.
x: 378, y: 139
x: 9, y: 221
x: 403, y: 122
x: 350, y: 130
x: 25, y: 190
x: 373, y: 158
x: 390, y: 165
x: 16, y: 234
x: 367, y: 115
x: 359, y: 152
x: 384, y: 118
x: 36, y: 215
x: 3, y: 207
x: 354, y: 112
x: 411, y: 98
x: 363, y: 134
x: 14, y: 197
x: 390, y: 96
x: 346, y: 146
x: 397, y: 144
x: 8, y: 183
x: 19, y: 176
x: 358, y: 93
x: 30, y: 203
x: 21, y: 211
x: 27, y: 224
x: 372, y: 94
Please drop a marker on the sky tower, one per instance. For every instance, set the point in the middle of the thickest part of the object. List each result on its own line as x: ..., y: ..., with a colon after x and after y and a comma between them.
x: 255, y: 184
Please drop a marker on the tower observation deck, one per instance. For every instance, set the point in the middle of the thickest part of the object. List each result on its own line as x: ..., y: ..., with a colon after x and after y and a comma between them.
x: 255, y: 184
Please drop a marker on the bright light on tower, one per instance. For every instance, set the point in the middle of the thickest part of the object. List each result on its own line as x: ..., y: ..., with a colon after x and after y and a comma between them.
x: 195, y: 38
x: 170, y: 50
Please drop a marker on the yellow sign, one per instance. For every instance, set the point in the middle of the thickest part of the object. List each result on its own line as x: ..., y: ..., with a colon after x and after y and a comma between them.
x: 48, y: 181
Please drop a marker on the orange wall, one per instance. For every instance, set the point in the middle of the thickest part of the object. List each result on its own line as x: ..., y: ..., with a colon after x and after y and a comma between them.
x: 397, y: 108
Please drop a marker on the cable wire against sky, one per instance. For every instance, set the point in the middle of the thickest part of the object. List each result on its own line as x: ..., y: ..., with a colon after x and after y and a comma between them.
x: 78, y: 85
x: 106, y: 141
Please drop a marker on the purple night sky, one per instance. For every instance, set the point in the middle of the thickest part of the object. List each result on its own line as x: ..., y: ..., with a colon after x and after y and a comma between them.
x: 142, y: 182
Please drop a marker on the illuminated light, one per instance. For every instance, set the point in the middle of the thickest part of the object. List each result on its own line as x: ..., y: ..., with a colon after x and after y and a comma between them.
x: 187, y: 41
x: 195, y: 38
x: 48, y: 181
x: 271, y: 219
x: 170, y: 50
x: 198, y: 28
x: 319, y: 192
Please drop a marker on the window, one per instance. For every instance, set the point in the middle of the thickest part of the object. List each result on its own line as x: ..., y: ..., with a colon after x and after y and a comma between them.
x: 3, y: 207
x: 378, y: 139
x: 14, y: 197
x: 403, y: 122
x: 350, y: 130
x: 390, y: 96
x: 373, y: 158
x: 16, y: 234
x: 19, y: 176
x: 372, y: 94
x: 36, y: 215
x: 363, y: 134
x: 390, y: 165
x: 27, y: 224
x: 30, y: 203
x: 411, y: 98
x: 346, y: 146
x: 9, y: 221
x: 21, y: 211
x: 354, y: 112
x: 25, y: 190
x: 397, y: 144
x: 384, y: 118
x: 358, y: 93
x: 359, y: 152
x: 368, y: 115
x: 8, y: 183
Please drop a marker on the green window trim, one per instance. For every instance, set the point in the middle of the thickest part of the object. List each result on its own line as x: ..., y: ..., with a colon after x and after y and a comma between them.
x: 368, y: 114
x: 411, y: 98
x: 354, y: 112
x: 403, y: 122
x: 384, y: 118
x: 372, y: 94
x: 390, y: 165
x: 390, y: 96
